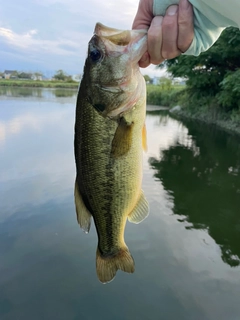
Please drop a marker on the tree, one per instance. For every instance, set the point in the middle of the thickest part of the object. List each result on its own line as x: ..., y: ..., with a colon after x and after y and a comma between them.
x: 38, y: 74
x: 24, y: 75
x: 14, y: 74
x: 165, y: 83
x: 147, y: 78
x: 60, y: 75
x: 206, y: 73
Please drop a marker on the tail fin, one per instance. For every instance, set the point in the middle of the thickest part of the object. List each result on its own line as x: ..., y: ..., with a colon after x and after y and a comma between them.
x: 107, y: 267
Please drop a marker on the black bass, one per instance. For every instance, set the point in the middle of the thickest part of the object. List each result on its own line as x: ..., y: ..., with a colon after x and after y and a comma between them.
x: 109, y: 137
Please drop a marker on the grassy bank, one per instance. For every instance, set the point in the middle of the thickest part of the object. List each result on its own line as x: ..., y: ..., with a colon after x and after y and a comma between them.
x: 202, y: 109
x: 208, y: 110
x: 38, y: 84
x: 158, y: 95
x: 229, y: 121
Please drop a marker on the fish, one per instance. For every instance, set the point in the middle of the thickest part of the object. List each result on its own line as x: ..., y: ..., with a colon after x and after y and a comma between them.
x: 110, y: 136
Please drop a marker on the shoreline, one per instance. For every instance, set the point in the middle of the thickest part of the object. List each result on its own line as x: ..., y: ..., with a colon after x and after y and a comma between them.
x: 221, y: 120
x: 38, y: 84
x: 207, y: 118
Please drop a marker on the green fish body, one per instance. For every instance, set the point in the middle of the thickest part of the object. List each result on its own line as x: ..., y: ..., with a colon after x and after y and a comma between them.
x: 109, y: 137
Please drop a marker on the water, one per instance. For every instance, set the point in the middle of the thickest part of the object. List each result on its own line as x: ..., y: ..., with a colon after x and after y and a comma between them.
x: 187, y: 253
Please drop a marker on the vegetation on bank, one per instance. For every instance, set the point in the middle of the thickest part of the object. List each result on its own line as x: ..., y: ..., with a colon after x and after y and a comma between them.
x: 37, y: 80
x: 164, y: 96
x: 39, y: 84
x: 212, y: 91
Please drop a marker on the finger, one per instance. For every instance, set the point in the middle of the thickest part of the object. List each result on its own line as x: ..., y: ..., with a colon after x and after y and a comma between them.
x: 170, y: 33
x: 185, y: 25
x: 155, y: 40
x: 143, y: 20
x: 144, y: 15
x: 145, y: 60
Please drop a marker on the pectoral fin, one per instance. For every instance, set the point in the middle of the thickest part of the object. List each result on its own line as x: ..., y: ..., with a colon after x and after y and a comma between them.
x: 141, y: 210
x: 83, y: 215
x: 144, y: 138
x: 122, y: 140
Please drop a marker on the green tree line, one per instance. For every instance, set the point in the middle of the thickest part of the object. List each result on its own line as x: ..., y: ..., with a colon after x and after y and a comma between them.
x: 213, y: 77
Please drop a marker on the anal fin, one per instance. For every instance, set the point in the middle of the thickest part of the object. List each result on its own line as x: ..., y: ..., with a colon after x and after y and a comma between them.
x: 83, y: 215
x: 141, y: 210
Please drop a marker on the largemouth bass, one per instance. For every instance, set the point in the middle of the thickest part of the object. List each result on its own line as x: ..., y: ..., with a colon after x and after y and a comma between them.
x: 109, y: 137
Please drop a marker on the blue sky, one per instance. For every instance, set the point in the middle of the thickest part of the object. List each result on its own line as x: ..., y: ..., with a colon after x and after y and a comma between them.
x: 48, y: 35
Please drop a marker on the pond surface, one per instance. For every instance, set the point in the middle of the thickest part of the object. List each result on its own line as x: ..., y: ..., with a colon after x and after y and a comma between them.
x: 187, y: 252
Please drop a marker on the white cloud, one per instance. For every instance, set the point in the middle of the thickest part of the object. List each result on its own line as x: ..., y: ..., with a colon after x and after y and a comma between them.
x: 28, y: 41
x: 57, y: 33
x: 28, y: 121
x: 154, y: 71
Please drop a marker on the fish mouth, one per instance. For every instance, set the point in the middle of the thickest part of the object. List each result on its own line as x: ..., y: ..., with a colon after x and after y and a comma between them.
x: 133, y: 42
x: 114, y: 88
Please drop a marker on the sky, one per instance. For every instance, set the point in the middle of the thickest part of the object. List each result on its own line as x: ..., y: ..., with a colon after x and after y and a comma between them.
x: 48, y: 35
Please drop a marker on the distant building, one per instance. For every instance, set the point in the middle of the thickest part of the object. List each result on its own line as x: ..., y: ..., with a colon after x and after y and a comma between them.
x: 179, y: 81
x: 10, y: 74
x: 36, y: 77
x: 156, y: 81
x: 30, y: 76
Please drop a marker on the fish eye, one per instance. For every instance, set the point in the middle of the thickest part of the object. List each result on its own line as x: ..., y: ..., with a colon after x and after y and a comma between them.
x: 95, y: 55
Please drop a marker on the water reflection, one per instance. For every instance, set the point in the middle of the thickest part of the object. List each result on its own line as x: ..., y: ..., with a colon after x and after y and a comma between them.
x: 36, y: 92
x: 36, y: 157
x: 64, y: 93
x: 201, y: 172
x: 20, y: 92
x: 47, y: 266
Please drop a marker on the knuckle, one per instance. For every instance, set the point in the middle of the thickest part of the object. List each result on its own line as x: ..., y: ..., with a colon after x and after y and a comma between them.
x: 156, y: 61
x: 169, y: 23
x: 183, y: 47
x: 183, y: 22
x: 185, y: 42
x: 169, y: 55
x: 152, y: 37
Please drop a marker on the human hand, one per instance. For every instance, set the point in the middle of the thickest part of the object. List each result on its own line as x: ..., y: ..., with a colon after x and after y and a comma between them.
x: 168, y: 36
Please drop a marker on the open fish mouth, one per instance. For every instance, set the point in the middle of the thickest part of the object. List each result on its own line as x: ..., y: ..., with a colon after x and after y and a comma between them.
x: 133, y: 42
x: 114, y: 55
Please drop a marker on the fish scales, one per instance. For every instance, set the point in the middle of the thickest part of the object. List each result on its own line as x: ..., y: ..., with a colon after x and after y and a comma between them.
x: 108, y: 153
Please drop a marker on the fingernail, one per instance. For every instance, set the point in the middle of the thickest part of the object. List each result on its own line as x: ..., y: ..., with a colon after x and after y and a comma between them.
x: 172, y: 10
x: 157, y: 21
x: 184, y: 4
